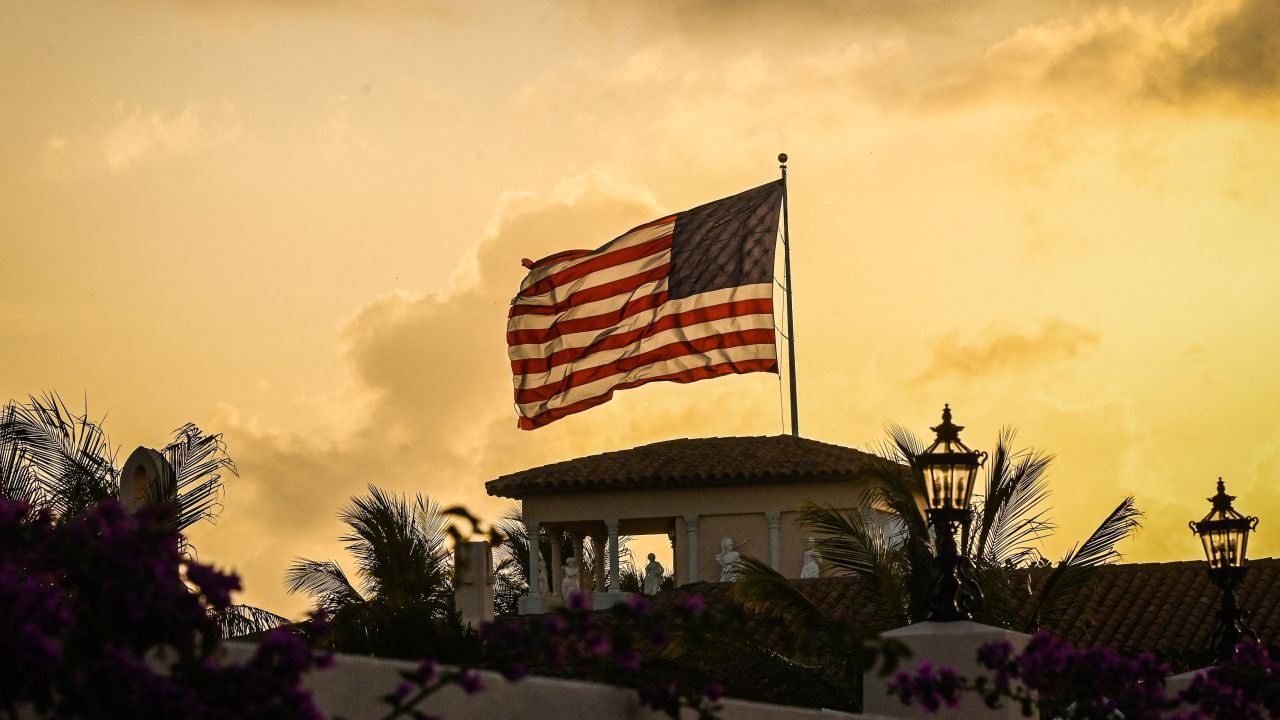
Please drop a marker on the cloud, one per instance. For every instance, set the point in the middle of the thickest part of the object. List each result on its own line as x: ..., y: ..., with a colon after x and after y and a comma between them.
x: 430, y: 408
x: 1055, y: 340
x: 1236, y: 53
x: 1202, y: 53
x: 766, y: 21
x: 136, y: 135
x: 243, y: 14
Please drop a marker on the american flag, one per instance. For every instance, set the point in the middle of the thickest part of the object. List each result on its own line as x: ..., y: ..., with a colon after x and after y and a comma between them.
x: 682, y: 298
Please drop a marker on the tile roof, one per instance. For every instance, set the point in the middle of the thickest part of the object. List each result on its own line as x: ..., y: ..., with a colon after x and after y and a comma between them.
x: 692, y: 462
x: 1164, y: 608
x: 1167, y: 608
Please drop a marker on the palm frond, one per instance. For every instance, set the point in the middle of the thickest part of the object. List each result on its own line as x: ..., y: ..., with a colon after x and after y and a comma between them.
x: 69, y: 456
x: 241, y: 620
x: 400, y: 547
x: 1011, y: 518
x: 17, y: 480
x: 847, y: 542
x: 760, y: 588
x: 1076, y: 568
x: 324, y: 581
x: 198, y: 462
x: 904, y: 446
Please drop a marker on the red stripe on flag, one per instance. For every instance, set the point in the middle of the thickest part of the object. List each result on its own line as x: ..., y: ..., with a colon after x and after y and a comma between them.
x: 606, y: 260
x: 559, y: 257
x: 538, y: 336
x: 684, y: 376
x: 696, y: 316
x: 592, y: 294
x: 574, y: 254
x: 671, y: 351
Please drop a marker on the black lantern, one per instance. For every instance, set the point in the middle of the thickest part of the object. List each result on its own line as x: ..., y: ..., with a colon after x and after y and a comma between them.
x: 1225, y: 536
x: 949, y: 469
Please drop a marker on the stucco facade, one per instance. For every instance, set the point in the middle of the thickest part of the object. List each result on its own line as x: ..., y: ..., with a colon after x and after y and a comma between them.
x: 697, y: 492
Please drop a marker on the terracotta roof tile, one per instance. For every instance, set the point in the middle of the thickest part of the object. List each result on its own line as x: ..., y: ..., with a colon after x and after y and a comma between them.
x: 692, y: 462
x: 1165, y: 608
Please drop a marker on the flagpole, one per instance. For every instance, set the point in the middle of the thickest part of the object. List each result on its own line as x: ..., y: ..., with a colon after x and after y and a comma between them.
x: 791, y: 326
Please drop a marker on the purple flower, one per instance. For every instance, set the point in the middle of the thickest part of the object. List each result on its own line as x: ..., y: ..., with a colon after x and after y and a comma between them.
x: 578, y: 601
x: 928, y: 687
x: 216, y: 586
x: 598, y: 644
x: 713, y: 692
x: 640, y: 605
x: 471, y: 682
x: 629, y: 660
x: 694, y: 604
x: 427, y: 671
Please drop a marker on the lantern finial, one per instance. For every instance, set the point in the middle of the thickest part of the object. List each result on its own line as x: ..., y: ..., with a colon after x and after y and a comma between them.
x: 947, y: 431
x: 1222, y: 501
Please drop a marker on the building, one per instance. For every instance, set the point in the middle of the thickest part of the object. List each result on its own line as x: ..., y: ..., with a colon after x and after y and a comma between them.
x: 709, y: 496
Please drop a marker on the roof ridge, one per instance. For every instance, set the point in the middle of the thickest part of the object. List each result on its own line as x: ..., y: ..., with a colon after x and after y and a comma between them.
x: 714, y: 460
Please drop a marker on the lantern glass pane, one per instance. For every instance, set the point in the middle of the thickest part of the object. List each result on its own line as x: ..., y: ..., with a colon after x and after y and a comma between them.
x: 1207, y: 541
x: 970, y: 474
x: 1224, y: 547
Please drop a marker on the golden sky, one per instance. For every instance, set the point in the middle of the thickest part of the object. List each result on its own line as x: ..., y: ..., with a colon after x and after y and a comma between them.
x: 299, y: 222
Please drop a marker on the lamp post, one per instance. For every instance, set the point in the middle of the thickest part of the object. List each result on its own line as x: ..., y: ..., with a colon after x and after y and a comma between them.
x: 1225, y: 536
x: 949, y: 469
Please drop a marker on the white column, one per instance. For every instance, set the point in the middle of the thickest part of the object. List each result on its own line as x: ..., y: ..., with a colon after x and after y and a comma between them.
x: 691, y: 540
x: 533, y: 600
x: 557, y: 570
x: 576, y: 540
x: 614, y: 583
x: 675, y: 559
x: 775, y: 539
x: 597, y: 546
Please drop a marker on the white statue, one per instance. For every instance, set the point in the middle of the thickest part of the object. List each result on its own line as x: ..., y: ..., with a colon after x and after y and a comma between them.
x: 728, y: 558
x: 812, y: 566
x: 570, y: 581
x: 652, y: 576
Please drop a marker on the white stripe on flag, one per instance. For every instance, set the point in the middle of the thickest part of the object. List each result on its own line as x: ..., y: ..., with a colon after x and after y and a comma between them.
x: 645, y: 344
x: 757, y: 291
x: 597, y: 278
x: 635, y: 237
x: 666, y: 367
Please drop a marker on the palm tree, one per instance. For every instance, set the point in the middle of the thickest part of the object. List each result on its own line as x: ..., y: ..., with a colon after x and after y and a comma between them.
x: 63, y: 462
x: 56, y: 460
x: 894, y: 560
x: 401, y: 601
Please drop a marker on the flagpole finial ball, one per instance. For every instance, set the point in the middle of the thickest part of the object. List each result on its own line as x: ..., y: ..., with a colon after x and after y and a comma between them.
x: 782, y: 157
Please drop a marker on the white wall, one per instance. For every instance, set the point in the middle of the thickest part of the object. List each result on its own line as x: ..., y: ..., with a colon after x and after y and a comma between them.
x: 352, y: 687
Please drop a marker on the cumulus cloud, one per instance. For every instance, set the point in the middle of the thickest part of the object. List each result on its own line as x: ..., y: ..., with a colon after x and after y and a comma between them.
x: 765, y: 21
x: 136, y: 134
x: 1203, y: 52
x: 1055, y: 340
x: 432, y: 404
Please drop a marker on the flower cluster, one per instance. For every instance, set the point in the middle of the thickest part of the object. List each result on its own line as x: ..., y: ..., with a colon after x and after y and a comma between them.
x: 1247, y: 688
x: 1098, y: 683
x: 929, y: 687
x: 95, y: 612
x: 607, y: 647
x: 424, y: 681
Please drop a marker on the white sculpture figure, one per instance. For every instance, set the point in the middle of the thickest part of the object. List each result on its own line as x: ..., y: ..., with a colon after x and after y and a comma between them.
x: 652, y: 576
x: 728, y: 558
x: 812, y: 566
x: 570, y: 581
